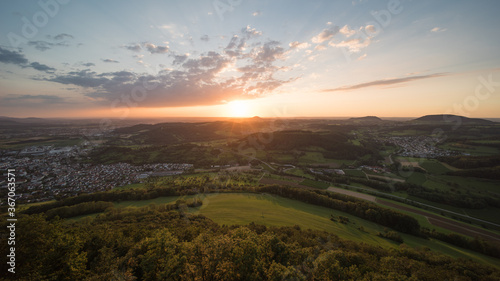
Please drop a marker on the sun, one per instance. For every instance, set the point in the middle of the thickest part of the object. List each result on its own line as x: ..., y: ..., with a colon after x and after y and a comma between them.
x: 239, y: 108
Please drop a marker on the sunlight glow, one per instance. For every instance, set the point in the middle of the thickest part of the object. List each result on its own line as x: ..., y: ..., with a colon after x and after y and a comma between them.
x: 239, y: 108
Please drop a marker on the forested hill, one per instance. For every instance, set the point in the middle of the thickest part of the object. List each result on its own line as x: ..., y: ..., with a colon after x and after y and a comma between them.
x: 335, y: 145
x: 179, y: 132
x: 448, y: 118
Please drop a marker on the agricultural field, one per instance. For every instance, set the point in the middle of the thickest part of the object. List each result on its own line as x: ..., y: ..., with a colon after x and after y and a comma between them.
x: 271, y: 210
x: 20, y: 143
x: 299, y: 172
x: 355, y: 173
x: 315, y: 184
x: 475, y: 150
x: 433, y: 167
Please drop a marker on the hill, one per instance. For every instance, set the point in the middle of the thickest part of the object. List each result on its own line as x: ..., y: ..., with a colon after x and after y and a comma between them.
x: 366, y: 118
x: 449, y: 118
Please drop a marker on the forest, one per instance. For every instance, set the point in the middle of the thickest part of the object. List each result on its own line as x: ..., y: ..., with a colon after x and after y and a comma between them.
x: 152, y: 243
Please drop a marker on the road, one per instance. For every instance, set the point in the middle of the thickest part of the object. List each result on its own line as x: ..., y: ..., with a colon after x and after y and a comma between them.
x: 432, y: 218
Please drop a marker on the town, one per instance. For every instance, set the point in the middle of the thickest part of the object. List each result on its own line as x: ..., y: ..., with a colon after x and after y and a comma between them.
x: 46, y: 173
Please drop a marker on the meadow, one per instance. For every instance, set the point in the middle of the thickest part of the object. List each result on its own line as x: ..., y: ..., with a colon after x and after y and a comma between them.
x: 270, y: 210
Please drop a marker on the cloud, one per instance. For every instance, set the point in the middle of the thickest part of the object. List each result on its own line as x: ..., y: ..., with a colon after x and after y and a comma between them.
x: 88, y: 64
x: 42, y: 67
x: 153, y: 49
x: 345, y: 30
x: 17, y: 58
x: 250, y: 32
x: 326, y: 34
x: 362, y: 57
x: 13, y: 57
x: 110, y: 60
x: 84, y: 78
x: 205, y: 38
x: 42, y: 45
x: 438, y: 29
x: 62, y: 36
x: 178, y: 59
x: 371, y: 29
x: 385, y: 82
x: 174, y: 30
x: 24, y: 100
x: 239, y: 71
x: 354, y: 45
x: 257, y: 14
x: 134, y: 47
x: 268, y: 53
x: 298, y: 45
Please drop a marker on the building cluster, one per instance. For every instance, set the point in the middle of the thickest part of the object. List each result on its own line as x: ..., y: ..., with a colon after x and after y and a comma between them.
x: 44, y: 174
x: 418, y: 146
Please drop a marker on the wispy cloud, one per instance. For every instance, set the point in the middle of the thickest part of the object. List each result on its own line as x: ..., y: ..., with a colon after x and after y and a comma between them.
x: 257, y: 14
x: 27, y: 100
x: 110, y: 60
x: 326, y: 34
x: 385, y: 82
x: 150, y: 47
x: 438, y: 29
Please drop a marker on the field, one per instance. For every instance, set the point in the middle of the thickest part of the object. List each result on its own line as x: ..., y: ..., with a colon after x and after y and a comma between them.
x: 434, y: 167
x: 355, y: 173
x: 38, y: 141
x: 270, y: 210
x: 471, y: 149
x: 416, y: 178
x: 315, y: 184
x: 299, y: 172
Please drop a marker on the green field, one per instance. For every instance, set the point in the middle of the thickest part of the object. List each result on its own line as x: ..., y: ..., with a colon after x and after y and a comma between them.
x: 21, y: 143
x: 315, y: 184
x: 270, y: 210
x: 416, y: 178
x: 299, y: 172
x: 471, y: 149
x: 434, y: 167
x: 355, y: 173
x: 313, y: 158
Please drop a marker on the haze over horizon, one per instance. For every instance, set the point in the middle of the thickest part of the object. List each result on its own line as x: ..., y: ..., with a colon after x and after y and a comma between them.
x: 249, y: 58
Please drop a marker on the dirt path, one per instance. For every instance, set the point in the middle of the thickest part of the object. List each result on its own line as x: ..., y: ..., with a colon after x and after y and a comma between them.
x: 384, y: 178
x: 352, y: 193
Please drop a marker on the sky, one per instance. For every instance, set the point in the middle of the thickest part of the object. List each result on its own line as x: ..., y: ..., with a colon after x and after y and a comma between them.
x: 242, y: 58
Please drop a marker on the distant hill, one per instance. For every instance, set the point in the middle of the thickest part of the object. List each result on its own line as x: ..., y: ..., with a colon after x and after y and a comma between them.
x: 366, y: 118
x: 449, y: 118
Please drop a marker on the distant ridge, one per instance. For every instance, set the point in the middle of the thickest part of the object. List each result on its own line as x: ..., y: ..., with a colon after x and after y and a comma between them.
x: 366, y: 118
x: 449, y: 118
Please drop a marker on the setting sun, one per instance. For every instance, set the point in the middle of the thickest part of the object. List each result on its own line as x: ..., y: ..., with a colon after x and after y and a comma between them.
x: 239, y: 108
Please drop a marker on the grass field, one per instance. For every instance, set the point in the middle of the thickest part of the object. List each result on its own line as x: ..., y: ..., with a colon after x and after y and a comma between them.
x: 355, y: 173
x: 471, y: 149
x: 416, y: 178
x: 130, y: 186
x: 299, y: 172
x: 434, y: 167
x: 22, y: 207
x: 270, y: 210
x: 21, y: 143
x: 313, y: 158
x: 315, y: 184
